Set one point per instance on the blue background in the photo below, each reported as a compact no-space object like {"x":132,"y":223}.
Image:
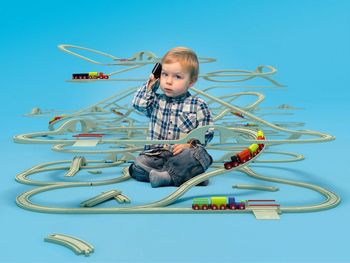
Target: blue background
{"x":307,"y":41}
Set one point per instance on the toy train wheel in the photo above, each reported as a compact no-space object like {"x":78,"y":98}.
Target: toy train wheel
{"x":228,"y":165}
{"x":222,"y":207}
{"x":233,"y":207}
{"x":204,"y":207}
{"x":214,"y":207}
{"x":196,"y":207}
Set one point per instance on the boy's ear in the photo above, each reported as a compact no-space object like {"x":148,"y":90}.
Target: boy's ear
{"x":192,"y":83}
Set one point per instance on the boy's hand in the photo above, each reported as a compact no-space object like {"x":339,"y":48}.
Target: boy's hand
{"x":151,"y":81}
{"x":178,"y":148}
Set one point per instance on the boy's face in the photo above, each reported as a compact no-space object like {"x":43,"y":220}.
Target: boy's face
{"x":174,"y":79}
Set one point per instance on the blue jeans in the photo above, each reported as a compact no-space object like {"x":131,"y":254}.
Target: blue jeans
{"x":181,"y":167}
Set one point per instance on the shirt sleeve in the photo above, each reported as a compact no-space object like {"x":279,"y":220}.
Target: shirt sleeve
{"x":144,"y":99}
{"x":204,"y":117}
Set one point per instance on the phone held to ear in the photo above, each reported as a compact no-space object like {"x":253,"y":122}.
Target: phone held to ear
{"x":157,"y":70}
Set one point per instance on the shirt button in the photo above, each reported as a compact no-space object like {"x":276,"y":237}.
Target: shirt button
{"x":169,"y":132}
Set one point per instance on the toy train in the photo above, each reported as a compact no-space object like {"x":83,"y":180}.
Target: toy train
{"x":56,"y":118}
{"x":249,"y":124}
{"x":217,"y":202}
{"x":238,"y":114}
{"x":90,"y":75}
{"x":246,"y":154}
{"x":223,"y":203}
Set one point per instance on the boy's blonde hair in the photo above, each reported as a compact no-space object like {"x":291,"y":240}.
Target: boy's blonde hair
{"x":186,"y":57}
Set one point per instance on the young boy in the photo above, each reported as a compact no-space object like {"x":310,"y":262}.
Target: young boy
{"x":172,"y":115}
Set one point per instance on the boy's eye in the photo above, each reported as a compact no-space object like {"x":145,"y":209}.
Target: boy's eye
{"x":178,"y":77}
{"x":164,"y":74}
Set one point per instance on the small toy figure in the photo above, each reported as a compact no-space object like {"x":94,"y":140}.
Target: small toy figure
{"x":172,"y":115}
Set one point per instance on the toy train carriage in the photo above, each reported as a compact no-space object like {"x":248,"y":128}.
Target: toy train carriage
{"x":260,"y":136}
{"x":90,"y":75}
{"x":246,"y":154}
{"x":200,"y":204}
{"x":254,"y":149}
{"x":238,"y":159}
{"x":262,"y":203}
{"x":217,"y":202}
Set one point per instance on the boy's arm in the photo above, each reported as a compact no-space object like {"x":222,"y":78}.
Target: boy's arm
{"x":204,"y":117}
{"x":145,"y":96}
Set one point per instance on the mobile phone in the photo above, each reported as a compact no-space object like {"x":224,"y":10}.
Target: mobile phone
{"x":157,"y":70}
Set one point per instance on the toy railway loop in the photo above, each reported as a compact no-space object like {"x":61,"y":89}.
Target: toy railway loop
{"x":332,"y":199}
{"x":23,"y":200}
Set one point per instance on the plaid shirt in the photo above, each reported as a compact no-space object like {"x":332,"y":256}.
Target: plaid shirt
{"x":172,"y":118}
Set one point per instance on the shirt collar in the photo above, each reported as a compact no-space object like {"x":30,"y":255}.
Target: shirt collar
{"x":179,"y":98}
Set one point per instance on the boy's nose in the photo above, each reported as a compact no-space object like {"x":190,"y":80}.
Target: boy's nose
{"x":169,"y":80}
